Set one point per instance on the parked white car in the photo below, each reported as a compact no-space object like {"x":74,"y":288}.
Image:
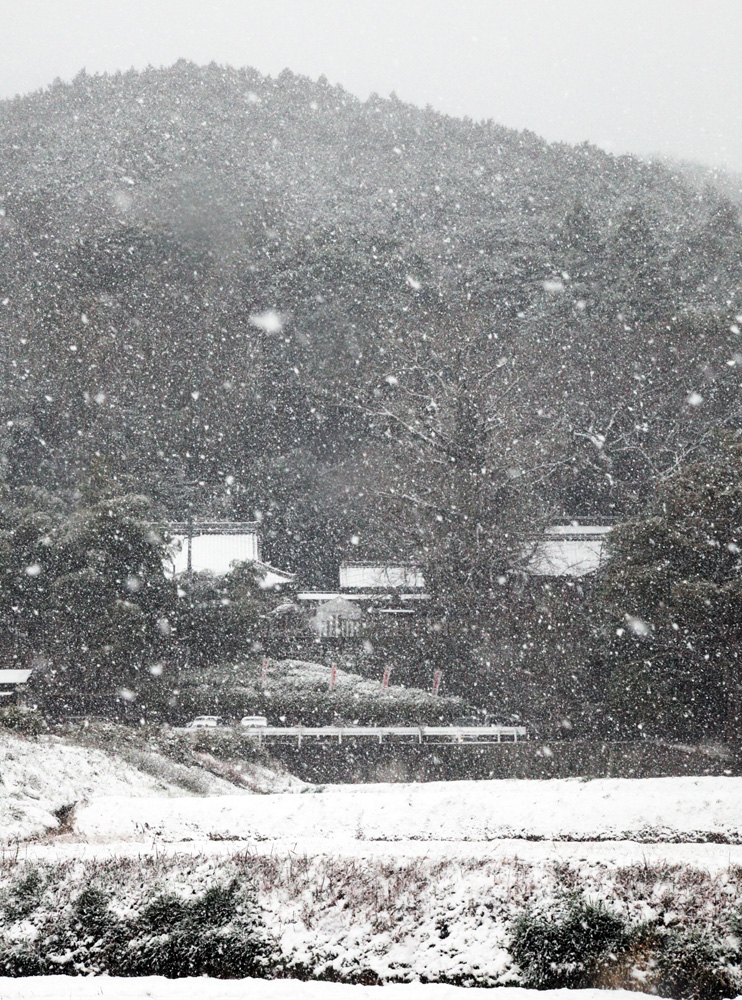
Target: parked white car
{"x":254,"y":721}
{"x":206,"y":722}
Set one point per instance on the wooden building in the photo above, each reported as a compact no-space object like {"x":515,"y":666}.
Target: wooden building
{"x":338,"y":618}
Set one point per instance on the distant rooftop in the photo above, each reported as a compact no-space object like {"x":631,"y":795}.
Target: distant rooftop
{"x":217,"y":545}
{"x":14,"y":676}
{"x":579,"y":530}
{"x":199,"y":527}
{"x":11,"y":681}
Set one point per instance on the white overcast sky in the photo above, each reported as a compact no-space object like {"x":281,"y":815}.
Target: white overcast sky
{"x":643,"y":76}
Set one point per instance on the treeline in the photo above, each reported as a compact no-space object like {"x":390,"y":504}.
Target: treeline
{"x":384,"y":332}
{"x":248,"y":294}
{"x":88,"y":602}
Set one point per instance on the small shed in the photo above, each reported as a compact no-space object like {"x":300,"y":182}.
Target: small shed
{"x":338,"y":618}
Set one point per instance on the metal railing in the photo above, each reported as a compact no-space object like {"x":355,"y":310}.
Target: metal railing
{"x":411,"y":734}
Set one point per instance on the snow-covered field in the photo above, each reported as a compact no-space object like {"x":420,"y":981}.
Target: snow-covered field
{"x":646,"y":810}
{"x":43,"y":778}
{"x":404,"y":881}
{"x":165,"y":802}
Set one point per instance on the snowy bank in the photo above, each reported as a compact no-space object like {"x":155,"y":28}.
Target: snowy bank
{"x":43,"y":780}
{"x":700,"y":809}
{"x":375,"y":920}
{"x":157,"y":988}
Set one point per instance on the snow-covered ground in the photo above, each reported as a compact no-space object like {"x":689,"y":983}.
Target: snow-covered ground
{"x":119,"y":809}
{"x":156,"y":988}
{"x":647,"y":810}
{"x":365,"y":876}
{"x":413,"y":918}
{"x":712,"y":858}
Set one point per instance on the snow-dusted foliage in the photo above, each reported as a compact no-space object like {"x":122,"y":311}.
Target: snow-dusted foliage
{"x":664,"y":928}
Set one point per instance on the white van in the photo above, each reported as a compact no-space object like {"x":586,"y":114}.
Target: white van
{"x":206,"y":722}
{"x":254,"y":721}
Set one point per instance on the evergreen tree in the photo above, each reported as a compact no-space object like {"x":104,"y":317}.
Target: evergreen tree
{"x":670,"y":599}
{"x":83,"y":593}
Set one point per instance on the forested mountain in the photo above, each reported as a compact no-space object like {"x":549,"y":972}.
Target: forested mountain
{"x":726,"y":182}
{"x":363,"y":320}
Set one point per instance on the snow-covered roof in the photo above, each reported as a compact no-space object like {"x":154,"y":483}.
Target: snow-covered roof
{"x":374,"y":596}
{"x":14,"y":676}
{"x":199,"y":527}
{"x":217,"y":545}
{"x":214,"y":552}
{"x":273,"y":577}
{"x":579,"y":530}
{"x":340,"y":607}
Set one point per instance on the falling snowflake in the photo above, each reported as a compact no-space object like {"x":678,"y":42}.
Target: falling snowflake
{"x":637,"y":625}
{"x":269,"y":321}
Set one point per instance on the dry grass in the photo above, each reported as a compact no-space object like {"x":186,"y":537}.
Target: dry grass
{"x":365,"y":920}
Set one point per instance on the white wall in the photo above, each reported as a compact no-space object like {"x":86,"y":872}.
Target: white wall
{"x":567,"y":556}
{"x":215,"y":552}
{"x":380,"y":577}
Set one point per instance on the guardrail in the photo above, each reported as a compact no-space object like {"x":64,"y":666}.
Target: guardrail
{"x":409,"y":734}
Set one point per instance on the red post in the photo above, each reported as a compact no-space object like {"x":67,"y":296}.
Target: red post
{"x":437,"y":682}
{"x":385,"y":678}
{"x":333,"y":676}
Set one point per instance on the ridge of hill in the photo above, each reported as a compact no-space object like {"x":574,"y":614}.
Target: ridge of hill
{"x":206,"y":274}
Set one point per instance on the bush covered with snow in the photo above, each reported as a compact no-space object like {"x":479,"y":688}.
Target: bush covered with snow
{"x":98,"y":929}
{"x":572,"y":950}
{"x":671,"y":930}
{"x":582,"y":945}
{"x":19,"y":720}
{"x":298,"y":692}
